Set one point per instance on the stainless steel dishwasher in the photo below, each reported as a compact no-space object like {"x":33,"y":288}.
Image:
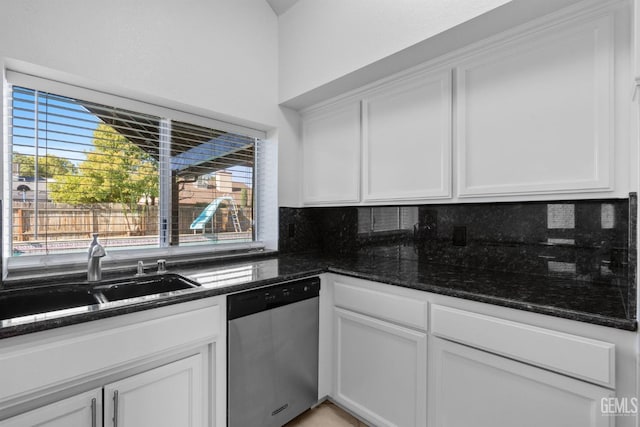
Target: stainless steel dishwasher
{"x":272,"y":374}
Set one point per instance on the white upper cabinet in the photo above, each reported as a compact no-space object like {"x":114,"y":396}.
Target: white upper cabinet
{"x":404,"y":128}
{"x":535,"y":113}
{"x":407,"y":140}
{"x":331,"y":155}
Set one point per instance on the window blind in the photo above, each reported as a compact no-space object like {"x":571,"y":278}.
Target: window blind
{"x":213,"y":176}
{"x":79,"y":167}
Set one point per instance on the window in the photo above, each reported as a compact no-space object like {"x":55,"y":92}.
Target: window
{"x":140,"y":181}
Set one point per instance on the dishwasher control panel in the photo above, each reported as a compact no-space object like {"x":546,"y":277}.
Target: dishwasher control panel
{"x":261,"y":299}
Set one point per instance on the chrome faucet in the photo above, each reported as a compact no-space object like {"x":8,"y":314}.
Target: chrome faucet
{"x":96,"y":251}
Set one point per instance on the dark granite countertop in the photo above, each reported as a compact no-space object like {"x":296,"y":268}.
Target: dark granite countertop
{"x":598,"y":303}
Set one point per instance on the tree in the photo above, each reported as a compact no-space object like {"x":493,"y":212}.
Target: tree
{"x":244,"y":198}
{"x":115,"y":171}
{"x":49,"y":166}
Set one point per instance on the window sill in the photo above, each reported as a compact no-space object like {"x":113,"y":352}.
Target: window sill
{"x":38,"y":267}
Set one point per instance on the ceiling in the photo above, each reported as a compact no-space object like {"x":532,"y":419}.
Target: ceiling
{"x":194,"y":150}
{"x":281,"y":6}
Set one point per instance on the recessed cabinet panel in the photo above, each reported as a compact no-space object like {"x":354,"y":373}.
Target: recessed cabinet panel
{"x":469,"y":387}
{"x":77,"y":411}
{"x":534,"y":114}
{"x":95,"y":347}
{"x":587,"y":359}
{"x":169,"y":396}
{"x":331,"y":155}
{"x":389,"y":303}
{"x":407,"y":140}
{"x":380,"y":370}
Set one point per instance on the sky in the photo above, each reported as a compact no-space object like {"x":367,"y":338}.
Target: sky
{"x":66,"y":136}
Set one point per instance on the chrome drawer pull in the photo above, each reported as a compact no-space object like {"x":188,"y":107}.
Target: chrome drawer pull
{"x":115,"y":408}
{"x":93,"y":413}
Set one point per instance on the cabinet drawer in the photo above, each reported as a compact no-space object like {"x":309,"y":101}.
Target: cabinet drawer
{"x":470,"y":387}
{"x":398,"y":305}
{"x":573,"y":355}
{"x":95,"y":347}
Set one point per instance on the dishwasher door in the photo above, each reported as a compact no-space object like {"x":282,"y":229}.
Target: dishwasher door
{"x":273,"y":365}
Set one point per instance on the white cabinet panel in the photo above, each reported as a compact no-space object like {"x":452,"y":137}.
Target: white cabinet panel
{"x":83,"y":410}
{"x":380,"y":370}
{"x":469,"y":387}
{"x":331,"y":155}
{"x":84,"y":349}
{"x":580,"y":357}
{"x":535,"y":114}
{"x":169,"y":396}
{"x":402,"y":306}
{"x":407,"y":140}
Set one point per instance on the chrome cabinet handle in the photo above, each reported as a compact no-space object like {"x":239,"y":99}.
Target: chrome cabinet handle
{"x":93,"y":413}
{"x":115,"y":408}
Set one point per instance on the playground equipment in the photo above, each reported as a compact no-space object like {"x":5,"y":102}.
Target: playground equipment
{"x":208,"y":213}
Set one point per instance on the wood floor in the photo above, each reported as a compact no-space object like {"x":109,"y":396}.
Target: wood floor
{"x":325,"y":415}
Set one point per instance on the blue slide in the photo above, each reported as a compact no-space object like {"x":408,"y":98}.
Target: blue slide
{"x":208,"y":212}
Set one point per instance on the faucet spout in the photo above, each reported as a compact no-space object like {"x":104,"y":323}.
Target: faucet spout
{"x":94,"y":268}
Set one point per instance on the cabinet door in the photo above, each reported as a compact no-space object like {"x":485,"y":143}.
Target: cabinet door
{"x":380,"y":370}
{"x":407,"y":140}
{"x":83,"y":410}
{"x":469,"y":387}
{"x":534,"y":115}
{"x":331,"y":155}
{"x":168,"y":396}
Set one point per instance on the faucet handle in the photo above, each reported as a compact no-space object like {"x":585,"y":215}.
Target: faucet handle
{"x":95,"y":248}
{"x":97,"y":251}
{"x":162,"y":266}
{"x":140,"y":268}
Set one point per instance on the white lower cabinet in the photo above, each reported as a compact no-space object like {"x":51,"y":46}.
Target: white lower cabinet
{"x":380,"y":369}
{"x":164,"y":367}
{"x":402,"y":357}
{"x":82,"y":410}
{"x":168,"y":396}
{"x":470,"y":387}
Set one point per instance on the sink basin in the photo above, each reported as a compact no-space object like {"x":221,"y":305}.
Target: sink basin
{"x":43,"y":299}
{"x":142,"y":286}
{"x":49,"y":298}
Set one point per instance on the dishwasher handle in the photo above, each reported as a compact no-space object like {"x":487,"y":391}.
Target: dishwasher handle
{"x":266,"y":298}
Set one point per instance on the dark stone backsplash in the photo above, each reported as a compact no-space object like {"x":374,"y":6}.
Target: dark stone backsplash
{"x":583,"y":240}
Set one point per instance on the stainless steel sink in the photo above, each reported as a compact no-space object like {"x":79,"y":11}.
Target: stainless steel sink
{"x":43,"y":299}
{"x":49,"y":298}
{"x":142,"y":286}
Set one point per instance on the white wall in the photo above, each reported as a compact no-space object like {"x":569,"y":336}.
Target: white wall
{"x":330,"y":47}
{"x":219,"y":56}
{"x":289,"y":158}
{"x":323,"y":40}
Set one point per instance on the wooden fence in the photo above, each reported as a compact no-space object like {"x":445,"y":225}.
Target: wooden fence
{"x":62,"y":222}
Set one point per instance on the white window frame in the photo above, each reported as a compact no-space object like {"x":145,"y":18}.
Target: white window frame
{"x":265,"y":197}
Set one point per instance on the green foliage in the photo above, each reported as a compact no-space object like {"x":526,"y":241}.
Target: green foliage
{"x":49,"y":166}
{"x":244,"y":198}
{"x":115,"y":171}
